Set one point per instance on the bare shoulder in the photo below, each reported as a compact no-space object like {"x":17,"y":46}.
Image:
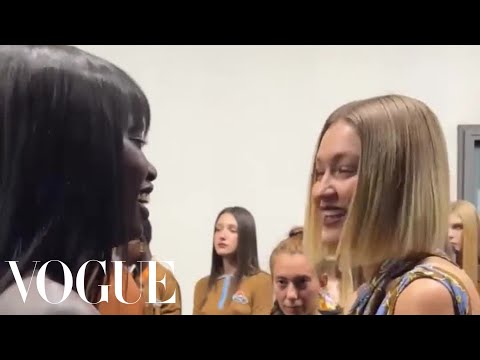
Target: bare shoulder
{"x":462,"y":278}
{"x":425,"y":297}
{"x":429,"y":296}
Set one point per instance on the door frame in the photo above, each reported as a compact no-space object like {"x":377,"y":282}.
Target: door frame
{"x":467,"y":135}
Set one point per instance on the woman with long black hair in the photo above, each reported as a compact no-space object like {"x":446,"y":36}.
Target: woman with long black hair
{"x":71,"y":172}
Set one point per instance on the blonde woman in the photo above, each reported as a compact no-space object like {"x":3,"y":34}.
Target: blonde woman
{"x":381,"y":170}
{"x":463,"y":234}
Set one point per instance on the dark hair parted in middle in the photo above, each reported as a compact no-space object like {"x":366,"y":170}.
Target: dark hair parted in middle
{"x":246,"y":254}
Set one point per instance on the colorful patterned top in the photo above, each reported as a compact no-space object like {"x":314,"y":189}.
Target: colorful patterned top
{"x":374,"y":299}
{"x":327,"y":305}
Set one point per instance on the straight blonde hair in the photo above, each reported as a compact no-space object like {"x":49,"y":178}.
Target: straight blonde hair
{"x":467,"y":213}
{"x":401,"y":204}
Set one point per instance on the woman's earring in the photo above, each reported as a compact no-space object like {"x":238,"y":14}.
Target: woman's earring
{"x":142,"y":248}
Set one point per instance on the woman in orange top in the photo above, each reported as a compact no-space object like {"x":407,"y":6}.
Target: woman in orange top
{"x":131,"y":294}
{"x":170,"y":295}
{"x":236,"y":284}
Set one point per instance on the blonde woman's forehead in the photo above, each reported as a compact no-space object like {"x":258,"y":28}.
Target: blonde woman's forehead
{"x":340,"y":140}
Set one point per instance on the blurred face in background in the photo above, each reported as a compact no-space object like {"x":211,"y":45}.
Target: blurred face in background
{"x":455,"y":232}
{"x":296,"y":285}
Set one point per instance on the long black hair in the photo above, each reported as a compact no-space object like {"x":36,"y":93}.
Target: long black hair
{"x":63,"y":115}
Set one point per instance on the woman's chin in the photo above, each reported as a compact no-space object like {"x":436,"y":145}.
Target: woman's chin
{"x":330,"y":237}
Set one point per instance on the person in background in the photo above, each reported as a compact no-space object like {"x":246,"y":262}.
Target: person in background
{"x":139,"y":250}
{"x":463,"y":234}
{"x":236,"y":284}
{"x":296,"y":285}
{"x":131,"y":293}
{"x":329,"y":275}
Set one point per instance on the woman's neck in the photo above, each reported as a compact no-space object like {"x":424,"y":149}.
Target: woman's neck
{"x":229,"y":266}
{"x":330,"y":248}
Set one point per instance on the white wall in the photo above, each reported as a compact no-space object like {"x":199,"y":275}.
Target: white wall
{"x":236,"y":125}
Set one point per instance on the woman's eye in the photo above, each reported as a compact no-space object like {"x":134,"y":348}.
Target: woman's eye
{"x":139,"y":143}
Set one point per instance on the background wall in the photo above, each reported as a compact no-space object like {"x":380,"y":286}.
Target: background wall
{"x":237,"y":125}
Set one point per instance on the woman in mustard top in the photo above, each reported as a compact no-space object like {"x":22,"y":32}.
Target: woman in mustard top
{"x":167,"y":292}
{"x":236,"y":284}
{"x":130,"y":293}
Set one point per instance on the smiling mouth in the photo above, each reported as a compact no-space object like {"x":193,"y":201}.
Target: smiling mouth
{"x":333,"y":216}
{"x":144,"y":198}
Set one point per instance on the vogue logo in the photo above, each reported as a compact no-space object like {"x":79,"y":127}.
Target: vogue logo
{"x":80,"y":281}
